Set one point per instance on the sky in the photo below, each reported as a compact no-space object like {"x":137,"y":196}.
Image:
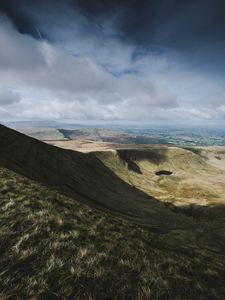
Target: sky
{"x":129,"y":60}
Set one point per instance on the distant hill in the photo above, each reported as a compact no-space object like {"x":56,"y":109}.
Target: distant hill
{"x":53,"y":131}
{"x":108,"y":135}
{"x":39,"y":124}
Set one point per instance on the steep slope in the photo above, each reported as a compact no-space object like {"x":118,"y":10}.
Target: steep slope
{"x":53,"y":247}
{"x":57,"y":247}
{"x":84,"y":177}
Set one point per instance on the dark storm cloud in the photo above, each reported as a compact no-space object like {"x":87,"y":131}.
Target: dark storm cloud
{"x":196,"y":28}
{"x":114,"y":59}
{"x":174,"y":23}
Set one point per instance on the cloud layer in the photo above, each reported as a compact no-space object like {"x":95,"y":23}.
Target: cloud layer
{"x":76,"y":66}
{"x":8,"y":97}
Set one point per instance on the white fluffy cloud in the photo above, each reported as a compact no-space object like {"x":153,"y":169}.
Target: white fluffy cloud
{"x":80,"y":78}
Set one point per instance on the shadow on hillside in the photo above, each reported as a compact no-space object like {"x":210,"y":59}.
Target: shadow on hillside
{"x":85,"y":178}
{"x":78,"y":175}
{"x":197,"y":151}
{"x":155,"y":156}
{"x":210,"y":212}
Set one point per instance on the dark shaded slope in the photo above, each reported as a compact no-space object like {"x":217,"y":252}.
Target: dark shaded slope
{"x":84,"y":177}
{"x":53,"y":247}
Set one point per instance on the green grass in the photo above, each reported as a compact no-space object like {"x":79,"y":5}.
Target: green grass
{"x":192,"y":177}
{"x":53,"y":247}
{"x":125,"y":245}
{"x":84,"y":177}
{"x":45,"y":134}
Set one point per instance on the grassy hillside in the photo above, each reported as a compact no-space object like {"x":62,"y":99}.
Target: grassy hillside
{"x":124,"y":245}
{"x":195,"y":179}
{"x":44,"y":134}
{"x":84,"y":177}
{"x":53,"y":247}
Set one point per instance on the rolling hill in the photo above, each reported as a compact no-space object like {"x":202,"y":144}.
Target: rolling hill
{"x":63,"y":132}
{"x":82,"y":176}
{"x":85,"y":226}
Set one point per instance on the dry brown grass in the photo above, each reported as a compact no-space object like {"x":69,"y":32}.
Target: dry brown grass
{"x":52,"y":247}
{"x":195,"y":179}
